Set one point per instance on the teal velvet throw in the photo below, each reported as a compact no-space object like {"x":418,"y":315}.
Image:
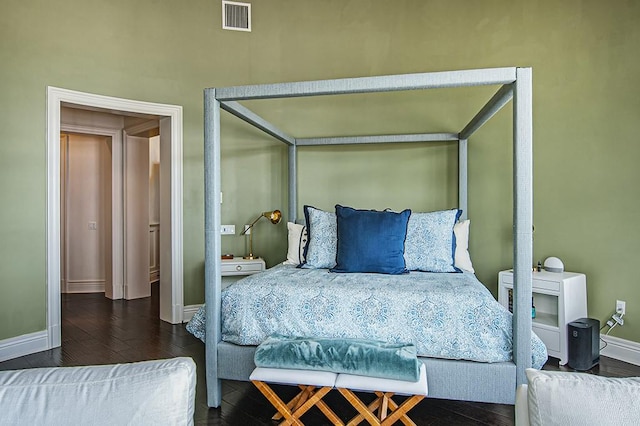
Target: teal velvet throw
{"x":362,"y":357}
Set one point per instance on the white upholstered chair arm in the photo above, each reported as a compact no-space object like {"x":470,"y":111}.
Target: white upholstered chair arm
{"x":522,"y":406}
{"x":577,"y":399}
{"x":142,"y":393}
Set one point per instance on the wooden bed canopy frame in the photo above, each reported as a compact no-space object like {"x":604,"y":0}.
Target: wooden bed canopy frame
{"x":515,"y":84}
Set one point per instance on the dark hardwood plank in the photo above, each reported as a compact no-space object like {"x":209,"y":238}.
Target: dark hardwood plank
{"x":96,"y":330}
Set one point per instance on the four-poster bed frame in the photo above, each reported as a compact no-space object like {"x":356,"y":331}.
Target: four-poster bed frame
{"x":452,"y":379}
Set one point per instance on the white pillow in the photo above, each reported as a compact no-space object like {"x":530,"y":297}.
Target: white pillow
{"x":462,"y":258}
{"x":297,"y":240}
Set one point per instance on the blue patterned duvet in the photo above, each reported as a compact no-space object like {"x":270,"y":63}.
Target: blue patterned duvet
{"x":449,"y":316}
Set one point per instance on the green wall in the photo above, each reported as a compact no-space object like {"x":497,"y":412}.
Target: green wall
{"x":585,"y":66}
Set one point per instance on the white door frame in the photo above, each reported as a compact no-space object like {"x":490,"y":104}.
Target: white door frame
{"x":172,"y":312}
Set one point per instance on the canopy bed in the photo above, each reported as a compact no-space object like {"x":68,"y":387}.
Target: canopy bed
{"x":462,"y":379}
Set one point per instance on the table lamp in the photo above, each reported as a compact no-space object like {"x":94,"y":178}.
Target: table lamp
{"x":273,"y":216}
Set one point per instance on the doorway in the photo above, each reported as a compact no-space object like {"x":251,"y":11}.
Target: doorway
{"x":87,"y":217}
{"x":170,"y":123}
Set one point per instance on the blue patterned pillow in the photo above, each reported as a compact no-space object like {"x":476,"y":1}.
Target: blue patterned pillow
{"x":430,"y":245}
{"x":320,"y":251}
{"x":371,"y":241}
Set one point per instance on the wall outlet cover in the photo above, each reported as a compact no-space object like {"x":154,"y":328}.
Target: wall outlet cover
{"x":227,"y":229}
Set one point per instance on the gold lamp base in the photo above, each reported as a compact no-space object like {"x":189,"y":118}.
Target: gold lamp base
{"x":251,"y":257}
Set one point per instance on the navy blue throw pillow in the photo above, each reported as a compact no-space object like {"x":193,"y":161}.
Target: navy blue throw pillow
{"x":371,"y":240}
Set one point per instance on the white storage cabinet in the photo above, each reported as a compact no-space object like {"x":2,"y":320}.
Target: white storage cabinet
{"x":559,"y":298}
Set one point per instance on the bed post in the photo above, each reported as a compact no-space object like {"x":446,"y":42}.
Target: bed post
{"x":522,"y":219}
{"x":293,"y":183}
{"x":462,"y":178}
{"x":212,"y":249}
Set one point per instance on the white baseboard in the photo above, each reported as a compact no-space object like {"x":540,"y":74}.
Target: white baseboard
{"x":26,"y":344}
{"x":621,"y":349}
{"x":84,"y":286}
{"x":189,"y":311}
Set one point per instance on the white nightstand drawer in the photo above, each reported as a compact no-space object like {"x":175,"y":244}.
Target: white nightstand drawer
{"x":241,"y":269}
{"x":242,"y":266}
{"x":537,"y":283}
{"x":545,"y":285}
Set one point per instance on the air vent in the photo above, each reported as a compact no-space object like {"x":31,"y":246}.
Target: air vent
{"x":236,"y":16}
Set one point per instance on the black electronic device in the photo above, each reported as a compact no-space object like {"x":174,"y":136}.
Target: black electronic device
{"x":584,"y":343}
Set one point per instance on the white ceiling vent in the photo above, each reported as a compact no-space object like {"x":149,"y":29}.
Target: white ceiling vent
{"x":236,"y":16}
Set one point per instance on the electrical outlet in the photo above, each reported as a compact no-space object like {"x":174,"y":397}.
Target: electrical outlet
{"x":621,"y":307}
{"x":227,"y":229}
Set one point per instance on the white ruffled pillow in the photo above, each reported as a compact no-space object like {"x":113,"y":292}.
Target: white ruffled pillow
{"x":297,"y":238}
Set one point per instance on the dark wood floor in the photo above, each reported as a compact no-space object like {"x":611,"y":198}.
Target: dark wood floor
{"x":96,"y":330}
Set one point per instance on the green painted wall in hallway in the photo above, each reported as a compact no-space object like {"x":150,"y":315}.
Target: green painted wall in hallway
{"x":585,"y":67}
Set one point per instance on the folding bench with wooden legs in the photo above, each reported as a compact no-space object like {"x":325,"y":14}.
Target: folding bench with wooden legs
{"x":388,"y":412}
{"x":313,"y":386}
{"x":316,"y":384}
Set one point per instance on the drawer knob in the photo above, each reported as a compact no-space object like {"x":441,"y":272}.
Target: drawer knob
{"x":238,"y":267}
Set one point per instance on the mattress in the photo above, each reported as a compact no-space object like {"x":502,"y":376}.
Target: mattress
{"x":445,"y":315}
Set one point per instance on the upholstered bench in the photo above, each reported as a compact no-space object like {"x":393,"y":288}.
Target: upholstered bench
{"x":319,"y":365}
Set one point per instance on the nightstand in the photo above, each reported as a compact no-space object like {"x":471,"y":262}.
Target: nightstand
{"x":238,"y":267}
{"x":559,"y":298}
